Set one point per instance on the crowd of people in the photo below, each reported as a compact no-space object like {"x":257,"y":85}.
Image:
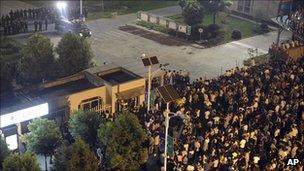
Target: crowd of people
{"x":19,"y":21}
{"x":248,"y":119}
{"x":297,"y":21}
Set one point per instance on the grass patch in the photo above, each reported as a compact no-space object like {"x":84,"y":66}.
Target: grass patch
{"x":227,"y":24}
{"x":258,"y":60}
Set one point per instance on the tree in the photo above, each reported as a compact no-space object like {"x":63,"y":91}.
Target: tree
{"x":123,"y":140}
{"x":24,"y":162}
{"x":61,"y":157}
{"x":82,"y":158}
{"x":192,"y":12}
{"x":215,"y":6}
{"x":84,"y":124}
{"x":75,"y":54}
{"x":10,"y":54}
{"x":4,"y":152}
{"x":43,"y":137}
{"x":38,"y":61}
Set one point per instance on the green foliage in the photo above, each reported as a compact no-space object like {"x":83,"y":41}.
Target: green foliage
{"x":192,"y":12}
{"x":123,"y":140}
{"x":214,"y":6}
{"x":43,"y":137}
{"x":4,"y":151}
{"x":23,"y":162}
{"x":61,"y":158}
{"x":82,"y":158}
{"x":236,"y":34}
{"x":84,"y":124}
{"x":75,"y":54}
{"x":9,"y":57}
{"x":38,"y":61}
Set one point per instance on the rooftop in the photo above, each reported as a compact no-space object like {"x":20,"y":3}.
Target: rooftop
{"x":119,"y":76}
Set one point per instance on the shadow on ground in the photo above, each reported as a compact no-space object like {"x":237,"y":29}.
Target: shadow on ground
{"x":159,"y":38}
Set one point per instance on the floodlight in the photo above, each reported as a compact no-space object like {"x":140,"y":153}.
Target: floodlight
{"x":61,"y":5}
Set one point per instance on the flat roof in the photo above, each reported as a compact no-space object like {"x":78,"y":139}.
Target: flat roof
{"x":118,"y":77}
{"x":63,"y":89}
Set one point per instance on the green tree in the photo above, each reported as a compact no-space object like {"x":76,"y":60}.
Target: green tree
{"x":123,"y":140}
{"x":23,"y":162}
{"x":215,"y":6}
{"x":84,"y":124}
{"x":61,"y":158}
{"x":4,"y":152}
{"x":82,"y":158}
{"x":75,"y":54}
{"x":10,"y":54}
{"x":43,"y":137}
{"x":192,"y":12}
{"x":38,"y":61}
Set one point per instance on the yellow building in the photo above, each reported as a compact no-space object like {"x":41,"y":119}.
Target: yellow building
{"x":106,"y":90}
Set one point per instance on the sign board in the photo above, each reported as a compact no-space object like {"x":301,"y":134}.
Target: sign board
{"x":172,"y":25}
{"x":24,"y":115}
{"x":200,"y":30}
{"x":182,"y":29}
{"x":170,"y":149}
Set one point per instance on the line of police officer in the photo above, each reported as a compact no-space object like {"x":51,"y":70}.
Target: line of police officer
{"x":18,"y":21}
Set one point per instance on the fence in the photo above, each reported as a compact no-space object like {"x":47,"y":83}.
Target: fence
{"x":165,"y":22}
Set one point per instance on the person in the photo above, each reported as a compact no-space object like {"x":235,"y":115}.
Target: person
{"x":46,"y":23}
{"x":36,"y":25}
{"x":40,"y":25}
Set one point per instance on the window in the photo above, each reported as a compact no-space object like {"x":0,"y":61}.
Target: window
{"x":240,"y":5}
{"x":247,"y":6}
{"x":91,"y":103}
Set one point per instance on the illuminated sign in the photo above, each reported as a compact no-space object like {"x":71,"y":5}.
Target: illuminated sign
{"x":12,"y":142}
{"x":24,"y":115}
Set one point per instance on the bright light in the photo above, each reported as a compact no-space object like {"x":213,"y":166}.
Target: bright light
{"x":61,"y":5}
{"x":24,"y":115}
{"x":12,"y":142}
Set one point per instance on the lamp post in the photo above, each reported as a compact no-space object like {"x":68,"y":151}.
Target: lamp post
{"x":149,"y":62}
{"x":81,"y":10}
{"x":166,"y":135}
{"x":168,"y":94}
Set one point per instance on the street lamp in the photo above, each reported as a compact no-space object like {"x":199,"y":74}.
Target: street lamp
{"x":168,"y":94}
{"x":149,"y":62}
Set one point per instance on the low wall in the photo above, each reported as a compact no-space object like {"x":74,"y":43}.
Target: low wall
{"x":165,"y":22}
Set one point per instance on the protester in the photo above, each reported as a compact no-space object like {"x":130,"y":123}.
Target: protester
{"x":248,"y":119}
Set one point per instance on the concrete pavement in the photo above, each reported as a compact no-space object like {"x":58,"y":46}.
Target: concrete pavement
{"x":111,"y":45}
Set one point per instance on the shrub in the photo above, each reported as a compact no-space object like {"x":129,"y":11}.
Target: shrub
{"x":213,"y":29}
{"x":264,"y":27}
{"x":236,"y":34}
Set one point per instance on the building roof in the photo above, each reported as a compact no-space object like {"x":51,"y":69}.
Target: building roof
{"x":53,"y":90}
{"x":119,"y":76}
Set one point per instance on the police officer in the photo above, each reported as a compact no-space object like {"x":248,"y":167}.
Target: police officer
{"x":46,"y":23}
{"x":35,"y":23}
{"x":40,"y":25}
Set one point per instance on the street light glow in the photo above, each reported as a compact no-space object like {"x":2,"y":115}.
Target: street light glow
{"x":61,"y":5}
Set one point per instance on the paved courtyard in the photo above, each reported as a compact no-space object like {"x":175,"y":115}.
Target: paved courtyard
{"x":113,"y":45}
